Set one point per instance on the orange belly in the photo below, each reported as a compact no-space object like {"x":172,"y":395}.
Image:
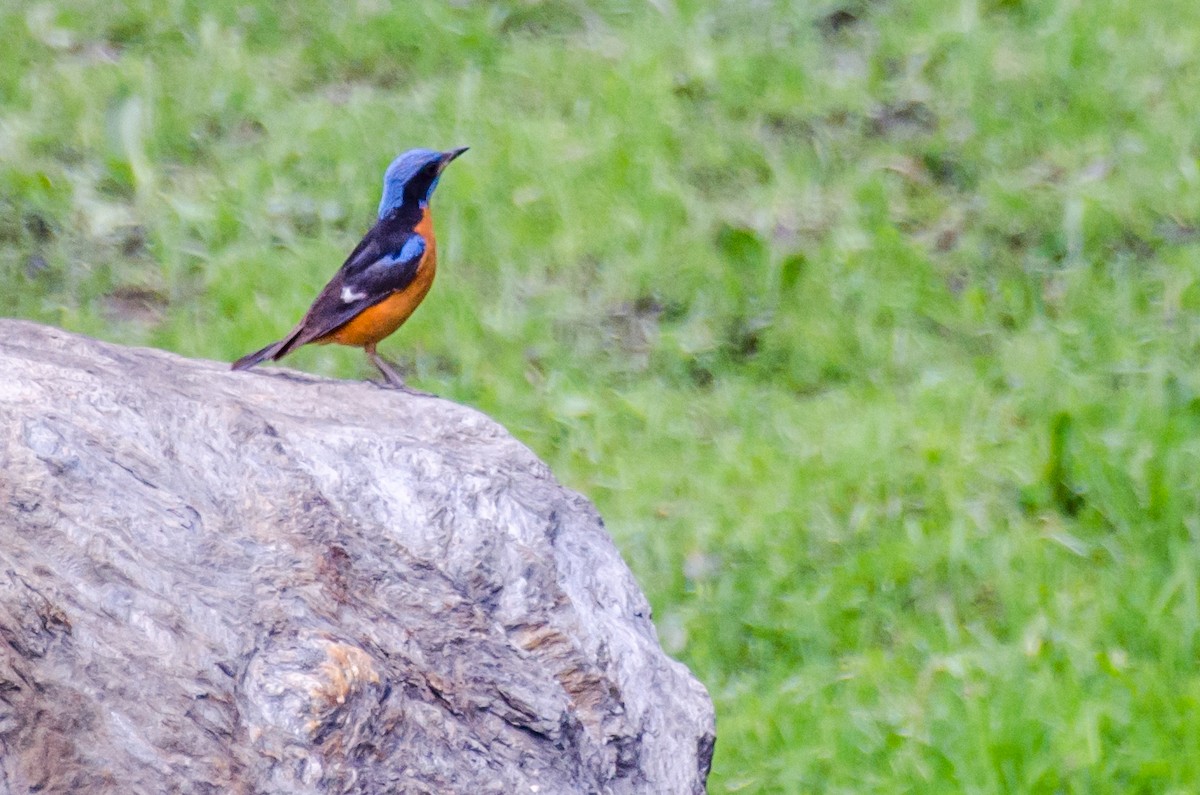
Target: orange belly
{"x":378,"y":321}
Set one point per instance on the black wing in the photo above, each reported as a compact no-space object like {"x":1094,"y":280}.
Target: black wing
{"x":384,"y":262}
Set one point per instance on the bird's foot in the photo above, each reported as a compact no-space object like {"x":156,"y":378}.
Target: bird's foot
{"x":390,"y":371}
{"x":391,"y":375}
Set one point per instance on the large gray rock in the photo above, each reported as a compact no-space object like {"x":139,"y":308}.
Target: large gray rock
{"x":266,"y":582}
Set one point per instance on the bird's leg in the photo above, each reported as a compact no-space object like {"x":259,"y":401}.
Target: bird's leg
{"x":391,"y":373}
{"x":389,"y":370}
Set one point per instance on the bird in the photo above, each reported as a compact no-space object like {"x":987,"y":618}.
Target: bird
{"x":386,"y":276}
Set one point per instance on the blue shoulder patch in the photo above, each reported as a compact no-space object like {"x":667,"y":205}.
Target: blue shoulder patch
{"x":412,"y":250}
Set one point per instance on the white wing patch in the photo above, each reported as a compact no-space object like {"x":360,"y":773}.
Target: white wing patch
{"x":349,"y":296}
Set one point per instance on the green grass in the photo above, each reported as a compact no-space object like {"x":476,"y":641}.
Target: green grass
{"x":871,"y":327}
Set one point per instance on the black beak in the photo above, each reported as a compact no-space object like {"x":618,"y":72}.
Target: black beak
{"x":448,"y":156}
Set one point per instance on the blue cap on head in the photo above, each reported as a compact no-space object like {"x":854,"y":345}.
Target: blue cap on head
{"x":413,"y":176}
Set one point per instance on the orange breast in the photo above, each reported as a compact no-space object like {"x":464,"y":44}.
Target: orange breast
{"x":378,"y":321}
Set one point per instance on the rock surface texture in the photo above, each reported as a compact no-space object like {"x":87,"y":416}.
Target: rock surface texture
{"x":265,"y":582}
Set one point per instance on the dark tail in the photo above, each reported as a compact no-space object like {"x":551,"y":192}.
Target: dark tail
{"x":276,"y":350}
{"x":251,"y":359}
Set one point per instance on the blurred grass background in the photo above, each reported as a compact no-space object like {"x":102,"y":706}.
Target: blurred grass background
{"x":870,"y":325}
